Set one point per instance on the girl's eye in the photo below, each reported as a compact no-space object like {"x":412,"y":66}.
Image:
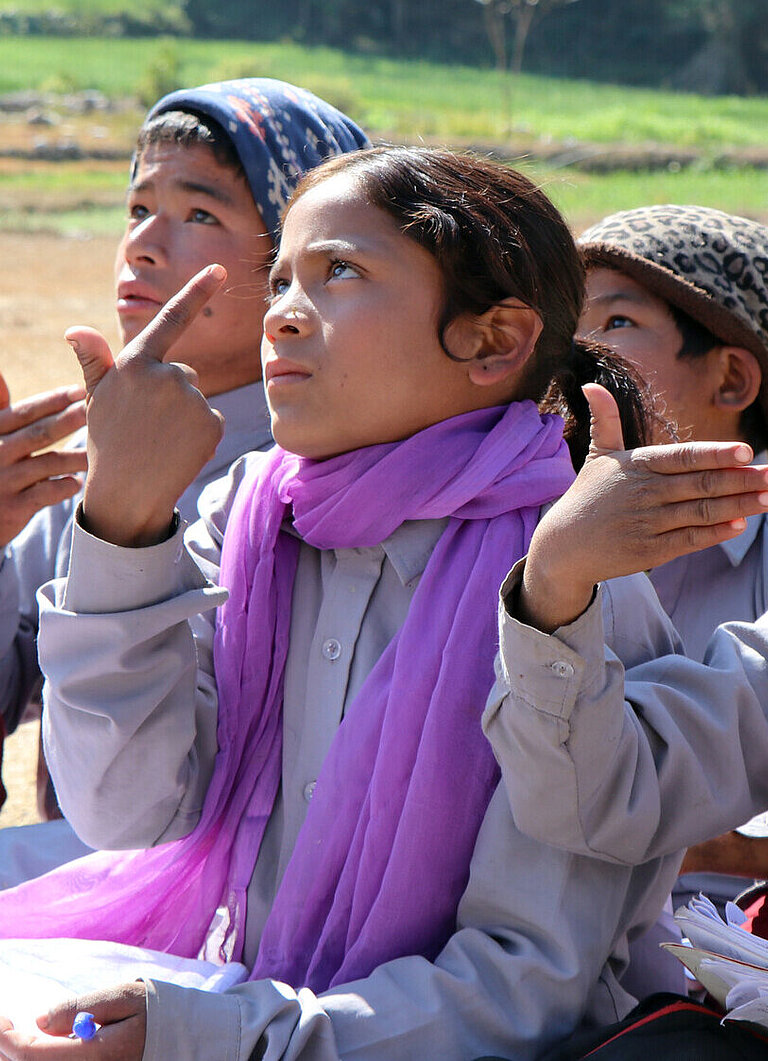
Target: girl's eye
{"x":277,"y":288}
{"x":342,"y":270}
{"x":137,"y":212}
{"x":617,"y":321}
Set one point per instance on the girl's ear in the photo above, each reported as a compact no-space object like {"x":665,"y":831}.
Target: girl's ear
{"x":496,"y":345}
{"x":740,"y":378}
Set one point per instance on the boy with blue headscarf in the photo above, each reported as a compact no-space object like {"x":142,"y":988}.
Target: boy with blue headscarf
{"x":213,"y":168}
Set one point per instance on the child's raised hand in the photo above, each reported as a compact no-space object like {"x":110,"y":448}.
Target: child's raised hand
{"x":629,"y":511}
{"x":150,"y":431}
{"x":121,"y":1012}
{"x":30,"y":479}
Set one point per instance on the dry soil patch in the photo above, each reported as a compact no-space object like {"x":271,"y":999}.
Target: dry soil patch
{"x":48,"y":283}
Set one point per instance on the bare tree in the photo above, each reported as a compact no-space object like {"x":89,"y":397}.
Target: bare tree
{"x":521,"y":14}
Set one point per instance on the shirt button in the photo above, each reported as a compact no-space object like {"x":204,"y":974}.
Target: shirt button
{"x":561,"y":669}
{"x":331,"y":648}
{"x":309,"y":789}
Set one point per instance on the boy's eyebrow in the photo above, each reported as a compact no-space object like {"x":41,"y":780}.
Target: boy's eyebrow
{"x":212,"y":191}
{"x":639,"y":298}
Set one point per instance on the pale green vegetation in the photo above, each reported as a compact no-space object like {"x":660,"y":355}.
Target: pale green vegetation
{"x":585,"y":198}
{"x":400,"y":97}
{"x":403,"y":101}
{"x":83,"y":222}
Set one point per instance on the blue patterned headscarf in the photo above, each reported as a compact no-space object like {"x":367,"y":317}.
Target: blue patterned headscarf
{"x":279,"y":132}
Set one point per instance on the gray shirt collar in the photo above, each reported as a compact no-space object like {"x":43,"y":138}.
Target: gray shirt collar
{"x":737,"y":548}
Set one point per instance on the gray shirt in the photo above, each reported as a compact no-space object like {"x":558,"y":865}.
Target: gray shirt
{"x":721,"y":584}
{"x":631,"y":759}
{"x":130,"y":735}
{"x":41,"y":551}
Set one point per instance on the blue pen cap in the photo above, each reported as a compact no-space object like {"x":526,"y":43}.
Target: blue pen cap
{"x":84,"y":1026}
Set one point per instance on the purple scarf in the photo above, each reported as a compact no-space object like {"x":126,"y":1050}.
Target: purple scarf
{"x":383,"y":856}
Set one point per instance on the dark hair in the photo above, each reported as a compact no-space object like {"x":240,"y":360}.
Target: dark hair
{"x":187,"y":129}
{"x":495,"y":236}
{"x":696,"y":341}
{"x":591,"y":362}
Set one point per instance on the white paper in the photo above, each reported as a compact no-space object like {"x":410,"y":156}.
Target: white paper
{"x":702,"y":925}
{"x":755,"y":827}
{"x":729,"y":962}
{"x":35,"y":974}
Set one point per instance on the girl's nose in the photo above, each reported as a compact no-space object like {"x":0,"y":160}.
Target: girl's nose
{"x":285,"y":320}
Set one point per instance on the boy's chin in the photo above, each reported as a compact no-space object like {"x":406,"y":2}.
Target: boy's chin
{"x":129,"y":330}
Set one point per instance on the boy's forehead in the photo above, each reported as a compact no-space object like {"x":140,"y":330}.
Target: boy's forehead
{"x":165,"y":154}
{"x":610,"y":285}
{"x":192,"y":167}
{"x":605,"y":283}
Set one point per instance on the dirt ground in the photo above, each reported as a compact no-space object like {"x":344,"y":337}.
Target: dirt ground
{"x":48,"y":283}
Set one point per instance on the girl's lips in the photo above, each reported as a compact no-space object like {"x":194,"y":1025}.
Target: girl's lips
{"x":286,"y":379}
{"x":278,"y":372}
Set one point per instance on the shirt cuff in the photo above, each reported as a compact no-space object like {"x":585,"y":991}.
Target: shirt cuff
{"x":547,"y":671}
{"x":189,"y":1023}
{"x":106,"y":578}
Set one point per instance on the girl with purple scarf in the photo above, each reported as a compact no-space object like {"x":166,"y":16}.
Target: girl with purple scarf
{"x":306,"y":773}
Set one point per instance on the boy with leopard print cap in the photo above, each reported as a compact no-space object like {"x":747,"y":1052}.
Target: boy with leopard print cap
{"x":682,"y":292}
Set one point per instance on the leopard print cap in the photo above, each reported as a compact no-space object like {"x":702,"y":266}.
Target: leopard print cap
{"x":712,"y":265}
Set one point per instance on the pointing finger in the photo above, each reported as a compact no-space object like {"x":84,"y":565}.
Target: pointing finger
{"x":177,"y":314}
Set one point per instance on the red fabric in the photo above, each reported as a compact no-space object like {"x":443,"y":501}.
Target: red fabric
{"x":674,"y":1007}
{"x":757,"y":917}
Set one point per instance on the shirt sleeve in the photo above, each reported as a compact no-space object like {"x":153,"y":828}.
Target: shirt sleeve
{"x":28,"y":562}
{"x":106,"y":708}
{"x":628,"y":759}
{"x":530,"y":954}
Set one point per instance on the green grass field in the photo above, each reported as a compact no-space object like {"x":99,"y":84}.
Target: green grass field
{"x":405,"y":101}
{"x":401,"y":97}
{"x":585,"y":198}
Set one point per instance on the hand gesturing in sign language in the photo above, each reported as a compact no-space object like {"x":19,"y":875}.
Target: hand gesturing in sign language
{"x":30,"y":479}
{"x":631,"y":510}
{"x":150,"y":430}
